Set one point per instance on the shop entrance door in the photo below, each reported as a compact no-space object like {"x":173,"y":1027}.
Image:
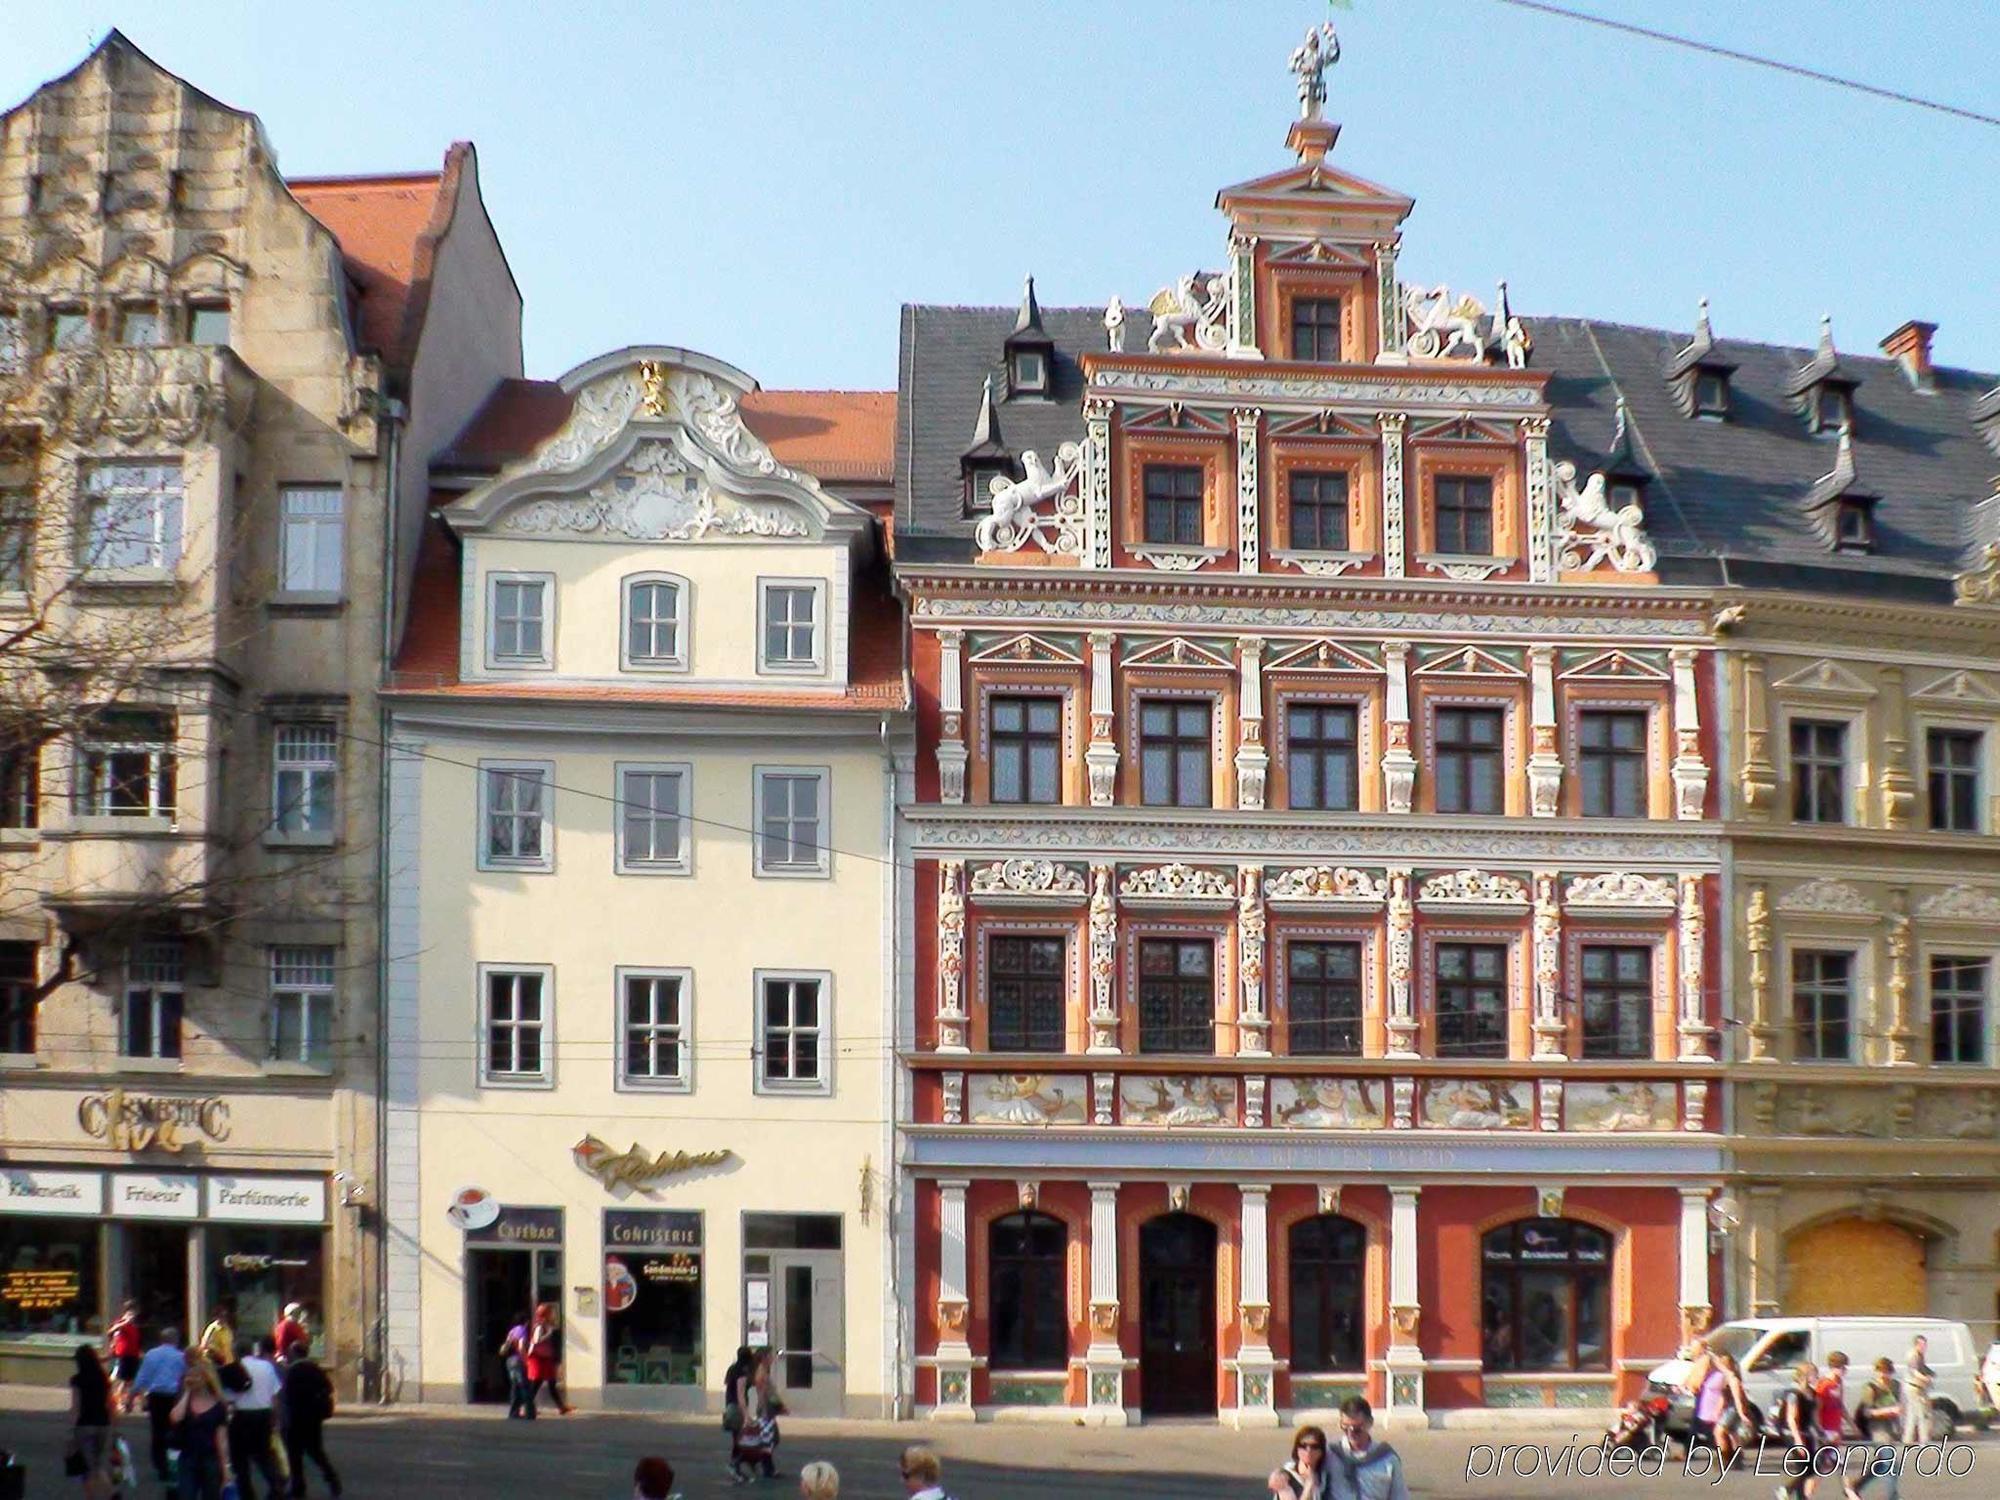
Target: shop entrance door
{"x":1177,"y":1316}
{"x":156,"y":1274}
{"x":794,"y":1299}
{"x":503,"y":1287}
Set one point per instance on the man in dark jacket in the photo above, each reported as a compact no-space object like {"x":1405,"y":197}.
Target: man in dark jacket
{"x":308,"y":1404}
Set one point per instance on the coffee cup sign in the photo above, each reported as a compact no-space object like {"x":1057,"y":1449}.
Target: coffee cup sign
{"x":135,"y":1122}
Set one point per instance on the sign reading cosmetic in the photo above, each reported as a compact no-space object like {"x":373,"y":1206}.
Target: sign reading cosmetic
{"x":267,"y":1200}
{"x":631,"y":1229}
{"x":135,"y":1122}
{"x":136,"y":1195}
{"x":520,"y":1228}
{"x":29,"y":1190}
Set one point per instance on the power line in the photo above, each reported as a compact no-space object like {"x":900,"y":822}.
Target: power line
{"x":1673,"y":39}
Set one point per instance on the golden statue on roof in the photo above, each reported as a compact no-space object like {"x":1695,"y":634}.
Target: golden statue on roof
{"x":1310,"y":60}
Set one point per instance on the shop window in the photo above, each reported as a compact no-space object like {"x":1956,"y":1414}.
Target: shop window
{"x":1316,"y":329}
{"x":1823,"y":1005}
{"x":131,"y":518}
{"x":1469,"y":766}
{"x":1175,"y":750}
{"x":155,"y":996}
{"x":1617,"y":1001}
{"x":652,"y":820}
{"x":1958,"y":1010}
{"x":1462,"y":514}
{"x":1611,"y":757}
{"x":208,"y":323}
{"x":1173,"y":495}
{"x":1322,"y":768}
{"x":1819,"y":771}
{"x":1177,"y":996}
{"x":49,"y":1287}
{"x":1327,"y":1257}
{"x":140,"y":325}
{"x":1026,"y":734}
{"x":20,"y":786}
{"x":260,"y":1269}
{"x":517,"y":632}
{"x":515,"y":1048}
{"x":789,"y":634}
{"x":305,"y":774}
{"x":514,"y":817}
{"x":1323,"y":998}
{"x":128,"y":767}
{"x":793,"y":1045}
{"x":652,"y":1297}
{"x":1027,"y":1304}
{"x":1545,"y":1297}
{"x":302,"y":987}
{"x":311,"y":540}
{"x":1025,"y":984}
{"x":791,"y":818}
{"x":654,"y":623}
{"x":18,"y":977}
{"x":1471,"y":999}
{"x":654,"y":1051}
{"x":1317,"y":512}
{"x":1954,"y":756}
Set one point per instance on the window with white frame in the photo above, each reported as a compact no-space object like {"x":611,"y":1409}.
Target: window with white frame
{"x":155,"y":994}
{"x":517,"y":611}
{"x":126,"y":766}
{"x":652,"y":819}
{"x":304,"y":778}
{"x":311,"y":539}
{"x":788,"y":640}
{"x":792,"y":1053}
{"x":1958,"y":1009}
{"x":514,"y":817}
{"x":1823,"y":1005}
{"x":1953,"y":759}
{"x":654,"y":1051}
{"x":131,"y":518}
{"x":515,"y":1047}
{"x":655,"y":623}
{"x":302,"y":987}
{"x":791,"y":822}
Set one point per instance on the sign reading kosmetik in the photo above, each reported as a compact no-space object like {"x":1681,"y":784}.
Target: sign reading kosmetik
{"x":26,"y":1190}
{"x":267,"y":1200}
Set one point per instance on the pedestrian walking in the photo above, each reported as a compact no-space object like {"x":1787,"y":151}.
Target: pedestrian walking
{"x":819,"y":1480}
{"x":1879,"y":1412}
{"x":756,"y":1443}
{"x":733,"y":1380}
{"x":158,"y":1383}
{"x":923,"y":1473}
{"x":290,"y":1329}
{"x":252,"y":1425}
{"x":1734,"y":1427}
{"x":1798,"y":1425}
{"x":91,"y":1415}
{"x":201,"y":1423}
{"x":652,"y":1479}
{"x":1359,"y":1468}
{"x":514,"y":1355}
{"x":218,"y":1340}
{"x":125,"y":1343}
{"x":1917,"y":1379}
{"x":1830,"y":1391}
{"x":306,"y":1408}
{"x":1303,"y":1475}
{"x":543,"y":1358}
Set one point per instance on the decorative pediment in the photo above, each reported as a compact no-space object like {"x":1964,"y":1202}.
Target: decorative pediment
{"x":1959,"y":687}
{"x":1326,"y":423}
{"x":1331,"y":884}
{"x":1468,"y":661}
{"x":1461,"y":429}
{"x":1024,"y":651}
{"x":656,"y":496}
{"x":1178,"y":882}
{"x":1826,"y":676}
{"x":1320,"y":253}
{"x":1320,"y":656}
{"x":1962,"y":903}
{"x":1619,"y":888}
{"x":1179,"y":651}
{"x":1038,"y":878}
{"x":1175,"y":416}
{"x":1827,"y":898}
{"x":1621,"y":666}
{"x":1473,"y":888}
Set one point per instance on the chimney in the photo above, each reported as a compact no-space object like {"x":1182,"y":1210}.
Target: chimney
{"x":1910,"y":347}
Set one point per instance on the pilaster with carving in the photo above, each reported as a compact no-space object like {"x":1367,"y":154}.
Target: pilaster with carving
{"x":1897,"y":786}
{"x":951,"y":752}
{"x":1695,"y":1307}
{"x":954,"y":1360}
{"x":1249,"y":553}
{"x":1758,"y":779}
{"x":1390,"y":327}
{"x":1405,"y":1359}
{"x":1256,"y":1368}
{"x":1253,"y":1023}
{"x":1101,"y":758}
{"x":1103,"y":961}
{"x":1399,"y":766}
{"x":1402,"y":1020}
{"x":1541,"y":501}
{"x":1548,"y":1027}
{"x":1392,"y":424}
{"x":1757,"y":937}
{"x":1902,"y":1028}
{"x":1690,"y":771}
{"x":1243,"y":300}
{"x":1695,"y":1035}
{"x":1096,"y":482}
{"x":1104,"y":1359}
{"x":952,"y":1021}
{"x":1253,"y":761}
{"x":1544,"y":763}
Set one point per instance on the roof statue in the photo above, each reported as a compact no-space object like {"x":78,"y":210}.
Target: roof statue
{"x":1592,"y":530}
{"x":1310,"y":60}
{"x":1114,"y":324}
{"x":1016,"y":518}
{"x":1191,"y":314}
{"x":1440,"y":323}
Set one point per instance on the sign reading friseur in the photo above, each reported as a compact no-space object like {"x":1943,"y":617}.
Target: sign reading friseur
{"x":634,"y":1168}
{"x":135,"y":1122}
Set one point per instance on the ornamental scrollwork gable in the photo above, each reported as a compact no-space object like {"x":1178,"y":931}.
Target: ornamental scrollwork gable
{"x":657,"y":497}
{"x":1620,"y":888}
{"x":1473,"y":888}
{"x":1961,"y":903}
{"x":1329,"y":884}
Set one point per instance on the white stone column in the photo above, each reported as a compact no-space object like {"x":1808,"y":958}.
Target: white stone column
{"x":1547,"y":1024}
{"x":951,"y":751}
{"x":1541,"y":501}
{"x":1695,"y":1302}
{"x":954,"y":1358}
{"x":1392,"y":424}
{"x":1101,"y":759}
{"x":1545,"y":767}
{"x":1096,"y":482}
{"x":953,"y":1023}
{"x":1406,"y":1358}
{"x":1103,"y":962}
{"x":1249,"y":552}
{"x":1696,"y":1039}
{"x":1104,"y":1360}
{"x":1255,"y":1366}
{"x":1253,"y":1019}
{"x":1399,"y":766}
{"x":1690,"y":771}
{"x":1252,"y":759}
{"x":1402,"y":1017}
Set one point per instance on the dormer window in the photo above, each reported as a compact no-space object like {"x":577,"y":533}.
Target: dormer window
{"x":979,"y":477}
{"x":1832,"y":409}
{"x":1626,"y":491}
{"x":1029,"y":351}
{"x":1028,"y":373}
{"x":1711,"y":394}
{"x":1854,"y":527}
{"x":1316,"y":329}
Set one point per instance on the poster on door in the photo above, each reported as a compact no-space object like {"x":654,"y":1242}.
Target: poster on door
{"x":757,"y":1311}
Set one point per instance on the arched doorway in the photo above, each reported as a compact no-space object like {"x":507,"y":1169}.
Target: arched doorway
{"x":1177,"y":1316}
{"x":1326,"y":1259}
{"x":1855,"y":1266}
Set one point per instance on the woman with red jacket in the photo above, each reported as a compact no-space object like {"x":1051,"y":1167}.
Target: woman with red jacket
{"x":543,"y":1358}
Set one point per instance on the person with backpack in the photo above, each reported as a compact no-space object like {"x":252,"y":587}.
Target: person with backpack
{"x":1797,"y":1420}
{"x":308,"y":1405}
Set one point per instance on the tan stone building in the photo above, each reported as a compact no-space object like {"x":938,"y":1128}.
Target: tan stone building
{"x":214,"y":384}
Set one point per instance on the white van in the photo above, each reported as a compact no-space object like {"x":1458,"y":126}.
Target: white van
{"x":1767,"y":1350}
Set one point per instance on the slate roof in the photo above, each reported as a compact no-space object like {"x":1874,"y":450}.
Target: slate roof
{"x":1726,"y":505}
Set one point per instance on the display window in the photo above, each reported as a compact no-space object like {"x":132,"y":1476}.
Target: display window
{"x":49,"y":1272}
{"x":259,"y":1269}
{"x":652,"y":1298}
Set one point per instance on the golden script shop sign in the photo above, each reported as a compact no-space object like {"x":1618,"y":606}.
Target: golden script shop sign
{"x":134,"y":1122}
{"x":635,"y":1168}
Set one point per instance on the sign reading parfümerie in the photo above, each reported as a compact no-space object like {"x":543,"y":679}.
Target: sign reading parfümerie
{"x":267,"y":1200}
{"x":139,"y":1122}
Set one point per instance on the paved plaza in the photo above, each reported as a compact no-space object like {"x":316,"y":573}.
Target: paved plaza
{"x":432,"y":1454}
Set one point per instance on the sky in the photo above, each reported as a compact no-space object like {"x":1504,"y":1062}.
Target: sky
{"x":768,"y":181}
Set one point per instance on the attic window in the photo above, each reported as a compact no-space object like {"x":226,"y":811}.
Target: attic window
{"x":69,"y":328}
{"x":979,"y":477}
{"x":1711,"y":394}
{"x":140,"y":325}
{"x":208,"y":323}
{"x":1028,"y":373}
{"x":1626,"y":491}
{"x":1854,"y":527}
{"x":1832,"y":408}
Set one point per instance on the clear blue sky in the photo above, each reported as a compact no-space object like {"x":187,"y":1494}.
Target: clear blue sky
{"x":768,"y":181}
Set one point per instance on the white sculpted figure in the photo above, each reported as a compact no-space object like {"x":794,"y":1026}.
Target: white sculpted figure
{"x":1193,"y":319}
{"x":1440,"y":324}
{"x":1016,"y":519}
{"x":1114,"y":325}
{"x":1514,"y":339}
{"x":1589,"y":531}
{"x":1310,"y":60}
